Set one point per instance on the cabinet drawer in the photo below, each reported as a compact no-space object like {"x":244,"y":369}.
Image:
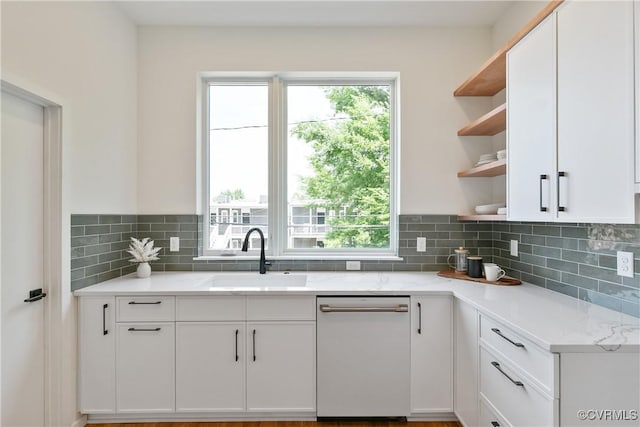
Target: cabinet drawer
{"x":145,"y":309}
{"x":207,"y":309}
{"x":518,"y":401}
{"x":489,"y":416}
{"x":523,"y":353}
{"x":281,"y":308}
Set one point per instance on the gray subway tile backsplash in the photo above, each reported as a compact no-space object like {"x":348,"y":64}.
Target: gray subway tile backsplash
{"x":578,"y":260}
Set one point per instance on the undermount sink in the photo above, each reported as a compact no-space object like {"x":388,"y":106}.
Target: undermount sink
{"x":271,"y":280}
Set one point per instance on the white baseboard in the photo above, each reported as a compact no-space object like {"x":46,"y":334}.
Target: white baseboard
{"x":197,"y":417}
{"x":80,"y":422}
{"x":432,"y":416}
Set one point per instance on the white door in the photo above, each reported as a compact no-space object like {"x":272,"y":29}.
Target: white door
{"x":465,"y":398}
{"x":145,"y":366}
{"x":431,"y":354}
{"x":596,"y":112}
{"x":531,"y":128}
{"x":22,"y":262}
{"x":210,"y":366}
{"x":281,"y":367}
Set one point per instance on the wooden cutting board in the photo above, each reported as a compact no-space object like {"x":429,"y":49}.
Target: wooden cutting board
{"x":504,"y":281}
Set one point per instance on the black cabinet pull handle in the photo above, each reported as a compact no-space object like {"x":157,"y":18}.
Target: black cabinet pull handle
{"x":237,"y":331}
{"x":35,"y":295}
{"x":104,"y":319}
{"x":560,"y":207}
{"x":254,"y":345}
{"x":495,"y":424}
{"x":144,"y":303}
{"x":144,"y":330}
{"x":497,"y":366}
{"x":419,"y":318}
{"x":517,"y":344}
{"x":542,"y":178}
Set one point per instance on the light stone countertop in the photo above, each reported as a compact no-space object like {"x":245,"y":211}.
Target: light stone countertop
{"x":556,"y":322}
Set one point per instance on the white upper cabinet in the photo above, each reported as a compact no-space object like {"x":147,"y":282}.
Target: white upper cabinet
{"x":531,"y":129}
{"x":571,"y":112}
{"x":596,"y":112}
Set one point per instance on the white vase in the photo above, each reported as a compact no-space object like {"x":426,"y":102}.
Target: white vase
{"x":144,"y":270}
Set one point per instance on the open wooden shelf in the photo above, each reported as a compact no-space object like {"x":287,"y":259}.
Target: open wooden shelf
{"x":499,"y":167}
{"x":482,"y":217}
{"x":495,"y":121}
{"x":491,"y":78}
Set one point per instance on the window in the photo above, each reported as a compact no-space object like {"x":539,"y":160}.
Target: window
{"x":309,"y":161}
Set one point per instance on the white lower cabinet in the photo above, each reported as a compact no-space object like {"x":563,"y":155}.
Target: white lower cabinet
{"x":465,"y":397}
{"x":210,"y":367}
{"x":281,"y":368}
{"x":145,"y":364}
{"x":431,"y":355}
{"x":97,"y":355}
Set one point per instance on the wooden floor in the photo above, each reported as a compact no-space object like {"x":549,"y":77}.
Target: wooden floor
{"x":290,"y":424}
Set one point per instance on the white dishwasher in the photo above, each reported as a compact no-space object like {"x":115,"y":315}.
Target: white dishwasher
{"x":363,"y":347}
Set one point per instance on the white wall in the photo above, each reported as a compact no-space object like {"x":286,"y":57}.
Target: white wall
{"x":432,"y":63}
{"x":82,"y":56}
{"x":85,"y":52}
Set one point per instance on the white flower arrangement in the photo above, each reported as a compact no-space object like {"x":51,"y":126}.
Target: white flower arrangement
{"x":143,"y":250}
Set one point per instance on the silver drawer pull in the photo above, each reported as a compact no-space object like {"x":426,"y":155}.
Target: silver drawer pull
{"x":400,"y":308}
{"x":517,"y":344}
{"x":144,"y":330}
{"x":497,"y":366}
{"x":144,"y":303}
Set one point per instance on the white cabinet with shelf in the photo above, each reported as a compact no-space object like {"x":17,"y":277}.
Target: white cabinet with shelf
{"x":571,"y":152}
{"x":431,"y":355}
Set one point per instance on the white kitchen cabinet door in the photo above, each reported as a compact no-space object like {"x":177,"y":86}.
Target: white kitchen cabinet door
{"x":97,"y":355}
{"x":145,"y":367}
{"x":466,"y":393}
{"x":281,"y":366}
{"x":210,"y":366}
{"x":431,"y":354}
{"x":596,"y":112}
{"x":531,"y":125}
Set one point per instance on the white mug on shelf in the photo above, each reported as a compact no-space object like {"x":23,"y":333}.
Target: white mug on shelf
{"x":493,"y":272}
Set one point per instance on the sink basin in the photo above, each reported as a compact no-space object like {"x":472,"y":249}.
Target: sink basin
{"x":270,"y":280}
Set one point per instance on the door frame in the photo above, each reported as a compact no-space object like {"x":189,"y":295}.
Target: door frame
{"x":52,"y":244}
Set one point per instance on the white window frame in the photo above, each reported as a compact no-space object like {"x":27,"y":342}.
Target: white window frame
{"x":277,"y":159}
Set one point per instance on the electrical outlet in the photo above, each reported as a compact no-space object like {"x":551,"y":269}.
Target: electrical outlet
{"x":514,"y":248}
{"x":353,"y":265}
{"x":625,"y":264}
{"x":174,"y":244}
{"x":421,"y":244}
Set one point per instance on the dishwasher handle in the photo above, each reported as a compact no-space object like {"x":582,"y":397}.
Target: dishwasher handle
{"x":398,"y":308}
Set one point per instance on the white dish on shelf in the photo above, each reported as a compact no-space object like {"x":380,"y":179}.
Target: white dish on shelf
{"x":490,"y":209}
{"x":488,"y":156}
{"x":502,"y":211}
{"x":502,"y":154}
{"x":484,"y":162}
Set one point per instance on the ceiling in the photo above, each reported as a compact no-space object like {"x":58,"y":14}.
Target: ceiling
{"x":315,"y":13}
